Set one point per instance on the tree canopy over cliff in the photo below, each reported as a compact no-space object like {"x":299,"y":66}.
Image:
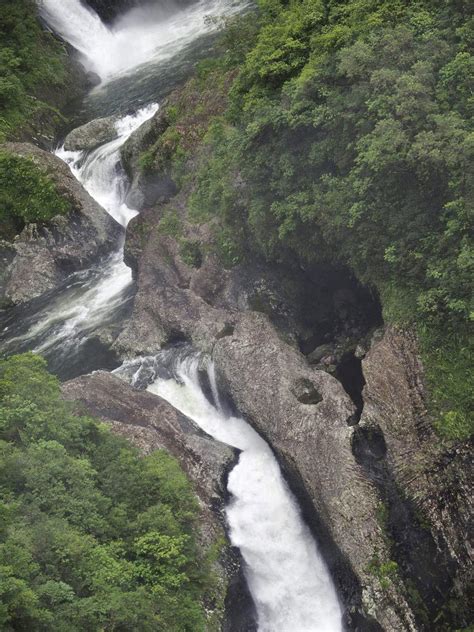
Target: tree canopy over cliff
{"x":349,"y":140}
{"x":34,"y":72}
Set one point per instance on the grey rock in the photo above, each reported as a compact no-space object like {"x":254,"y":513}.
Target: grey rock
{"x":7,"y":254}
{"x":91,"y":135}
{"x":319,"y":353}
{"x":151,"y":423}
{"x":436,"y":479}
{"x":314,"y":445}
{"x":45,"y":254}
{"x":146,"y":188}
{"x":305,"y":392}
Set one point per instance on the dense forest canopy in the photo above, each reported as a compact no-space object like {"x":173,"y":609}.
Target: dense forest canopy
{"x":36,"y":76}
{"x":92,"y":536}
{"x":324,"y":132}
{"x":349,"y":139}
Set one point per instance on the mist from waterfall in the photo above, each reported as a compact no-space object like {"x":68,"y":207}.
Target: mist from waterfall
{"x":140,"y":36}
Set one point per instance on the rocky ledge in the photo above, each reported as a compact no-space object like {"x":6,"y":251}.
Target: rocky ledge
{"x":43,"y":255}
{"x":425,"y":484}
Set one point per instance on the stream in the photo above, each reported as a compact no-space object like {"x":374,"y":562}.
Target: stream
{"x":287,"y":577}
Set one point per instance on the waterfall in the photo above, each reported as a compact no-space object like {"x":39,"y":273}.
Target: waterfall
{"x":286,"y":574}
{"x":92,"y":297}
{"x":139,"y":37}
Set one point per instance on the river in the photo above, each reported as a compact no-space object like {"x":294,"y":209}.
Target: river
{"x":286,"y":574}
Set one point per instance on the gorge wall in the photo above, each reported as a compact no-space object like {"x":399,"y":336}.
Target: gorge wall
{"x":301,"y":351}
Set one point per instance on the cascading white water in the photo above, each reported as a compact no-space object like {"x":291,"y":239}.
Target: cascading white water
{"x":99,"y":171}
{"x":286,"y":574}
{"x":139,"y":37}
{"x":86,"y":304}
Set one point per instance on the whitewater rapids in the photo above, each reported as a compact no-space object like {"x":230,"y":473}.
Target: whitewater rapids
{"x":286,"y":574}
{"x":139,"y":37}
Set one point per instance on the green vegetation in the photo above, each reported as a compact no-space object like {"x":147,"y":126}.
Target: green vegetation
{"x":33,"y":73}
{"x":26,"y":194}
{"x":387,"y":572}
{"x":190,"y":252}
{"x":348,"y":139}
{"x":92,"y":536}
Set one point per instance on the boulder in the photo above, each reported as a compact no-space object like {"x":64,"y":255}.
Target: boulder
{"x":45,"y":254}
{"x":92,"y":135}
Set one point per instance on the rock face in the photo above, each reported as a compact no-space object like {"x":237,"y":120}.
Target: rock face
{"x":146,"y":188}
{"x":45,"y":254}
{"x":273,"y":386}
{"x":293,"y":352}
{"x":426,"y":486}
{"x":151,"y":423}
{"x":91,"y":135}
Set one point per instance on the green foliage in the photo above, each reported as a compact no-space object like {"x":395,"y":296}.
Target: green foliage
{"x":93,"y":536}
{"x":27,"y":194}
{"x":450,"y":375}
{"x":190,"y":252}
{"x":32,"y":70}
{"x":170,"y":224}
{"x":349,"y":140}
{"x":386,"y":572}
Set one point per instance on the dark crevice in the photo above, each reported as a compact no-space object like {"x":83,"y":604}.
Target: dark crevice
{"x":349,"y":373}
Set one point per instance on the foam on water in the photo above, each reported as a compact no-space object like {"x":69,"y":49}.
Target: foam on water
{"x":287,"y":577}
{"x":93,"y":296}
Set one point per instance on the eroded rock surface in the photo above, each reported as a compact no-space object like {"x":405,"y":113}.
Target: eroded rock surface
{"x":45,"y":254}
{"x":427,"y":486}
{"x":313,"y":442}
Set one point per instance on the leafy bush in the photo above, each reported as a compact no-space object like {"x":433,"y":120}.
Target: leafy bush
{"x":93,"y":536}
{"x":27,"y":194}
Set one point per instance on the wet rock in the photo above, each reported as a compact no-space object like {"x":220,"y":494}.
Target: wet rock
{"x":45,"y":254}
{"x":258,"y":370}
{"x":92,"y":134}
